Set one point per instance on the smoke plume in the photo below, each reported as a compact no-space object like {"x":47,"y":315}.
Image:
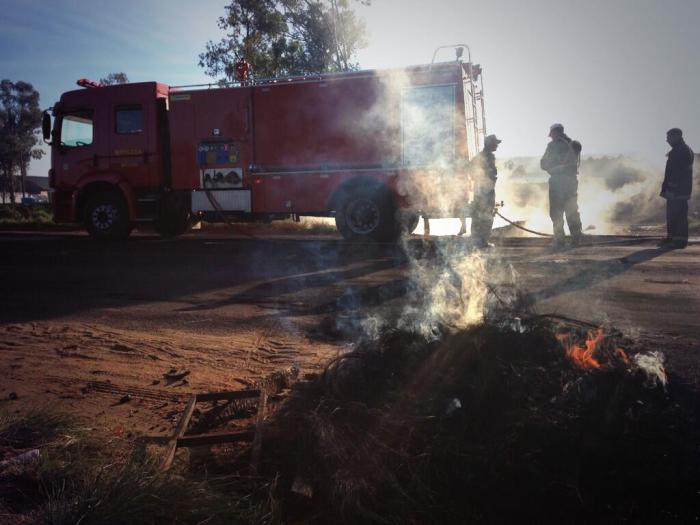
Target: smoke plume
{"x":616,"y":194}
{"x":450,"y":287}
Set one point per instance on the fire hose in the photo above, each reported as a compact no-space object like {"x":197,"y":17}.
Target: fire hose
{"x":521,"y":226}
{"x":220,"y":212}
{"x":513,"y":223}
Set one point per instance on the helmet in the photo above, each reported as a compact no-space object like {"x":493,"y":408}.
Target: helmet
{"x":492,"y":139}
{"x":556,"y":126}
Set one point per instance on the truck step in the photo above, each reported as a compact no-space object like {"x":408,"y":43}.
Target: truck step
{"x":147,"y":208}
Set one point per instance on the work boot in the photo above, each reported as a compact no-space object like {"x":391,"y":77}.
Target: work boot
{"x":480,"y":243}
{"x":579,"y":239}
{"x":557,"y":245}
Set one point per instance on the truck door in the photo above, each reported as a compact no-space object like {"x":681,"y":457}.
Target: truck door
{"x":78,"y":147}
{"x":132,"y":153}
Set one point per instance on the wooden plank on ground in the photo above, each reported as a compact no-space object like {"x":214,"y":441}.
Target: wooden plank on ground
{"x":257,"y":440}
{"x":234,"y":394}
{"x":179,"y":432}
{"x":213,"y":439}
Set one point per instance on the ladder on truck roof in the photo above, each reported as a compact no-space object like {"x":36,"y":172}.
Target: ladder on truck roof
{"x":262,"y":81}
{"x":474,"y":107}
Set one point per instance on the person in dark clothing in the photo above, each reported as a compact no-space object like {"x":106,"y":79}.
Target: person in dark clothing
{"x":561,"y":160}
{"x":483,"y":170}
{"x":676,"y":189}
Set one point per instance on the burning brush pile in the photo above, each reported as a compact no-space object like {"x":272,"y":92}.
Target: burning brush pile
{"x":534,"y":420}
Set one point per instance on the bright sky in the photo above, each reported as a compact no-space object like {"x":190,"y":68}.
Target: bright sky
{"x":617,"y":73}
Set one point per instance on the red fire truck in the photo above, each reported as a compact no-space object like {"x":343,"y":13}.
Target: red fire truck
{"x":374,"y":149}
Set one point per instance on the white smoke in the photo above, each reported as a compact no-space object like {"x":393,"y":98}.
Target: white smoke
{"x":449,"y":292}
{"x":449,"y":284}
{"x":615,"y":194}
{"x":651,"y":364}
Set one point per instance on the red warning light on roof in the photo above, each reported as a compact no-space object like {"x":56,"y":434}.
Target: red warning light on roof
{"x":87,"y":83}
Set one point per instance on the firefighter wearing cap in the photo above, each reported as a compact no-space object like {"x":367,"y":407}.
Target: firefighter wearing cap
{"x":484,"y":172}
{"x":561,"y":160}
{"x":676,"y":189}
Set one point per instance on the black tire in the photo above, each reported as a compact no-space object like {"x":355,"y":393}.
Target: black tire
{"x":106,"y":216}
{"x":367,"y":212}
{"x":174,"y":217}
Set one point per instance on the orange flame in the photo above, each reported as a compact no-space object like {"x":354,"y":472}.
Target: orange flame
{"x":588,"y":355}
{"x":619,"y":352}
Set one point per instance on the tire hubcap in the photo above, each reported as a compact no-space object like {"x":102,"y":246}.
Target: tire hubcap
{"x":104,"y":216}
{"x":362,"y":216}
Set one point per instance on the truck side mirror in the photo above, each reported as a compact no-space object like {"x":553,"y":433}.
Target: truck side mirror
{"x":46,"y":127}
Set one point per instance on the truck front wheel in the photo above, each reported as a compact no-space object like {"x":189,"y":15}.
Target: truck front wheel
{"x":367,"y":213}
{"x":106,"y":216}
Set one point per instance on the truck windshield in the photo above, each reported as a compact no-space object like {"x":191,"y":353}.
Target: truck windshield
{"x":76,"y":129}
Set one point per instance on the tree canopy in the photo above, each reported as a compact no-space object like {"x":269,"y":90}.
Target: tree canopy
{"x":114,"y":78}
{"x":20,"y":119}
{"x":286,"y":37}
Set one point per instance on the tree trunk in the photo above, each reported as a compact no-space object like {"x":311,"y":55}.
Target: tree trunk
{"x":10,"y":179}
{"x":22,"y":174}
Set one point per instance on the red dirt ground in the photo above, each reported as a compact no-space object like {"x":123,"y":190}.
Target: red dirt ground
{"x":84,"y":324}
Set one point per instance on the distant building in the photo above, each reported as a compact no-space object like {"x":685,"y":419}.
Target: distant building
{"x":37,"y":187}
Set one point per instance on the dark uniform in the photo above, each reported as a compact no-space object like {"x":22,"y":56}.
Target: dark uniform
{"x":483,"y":169}
{"x":561,"y":161}
{"x":676,"y":189}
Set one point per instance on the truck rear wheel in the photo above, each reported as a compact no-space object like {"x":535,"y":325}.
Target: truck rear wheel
{"x":367,"y":213}
{"x":106,"y":216}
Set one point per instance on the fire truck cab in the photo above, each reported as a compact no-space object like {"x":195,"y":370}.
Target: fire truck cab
{"x":371,"y":148}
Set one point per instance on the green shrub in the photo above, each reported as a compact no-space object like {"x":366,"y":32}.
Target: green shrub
{"x":22,"y":214}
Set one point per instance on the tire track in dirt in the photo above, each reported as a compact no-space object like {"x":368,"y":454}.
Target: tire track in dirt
{"x":90,"y":366}
{"x":118,"y":390}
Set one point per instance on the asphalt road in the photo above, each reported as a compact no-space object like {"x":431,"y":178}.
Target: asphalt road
{"x":218,"y":285}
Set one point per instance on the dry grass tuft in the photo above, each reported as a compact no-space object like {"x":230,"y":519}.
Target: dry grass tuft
{"x":81,"y":477}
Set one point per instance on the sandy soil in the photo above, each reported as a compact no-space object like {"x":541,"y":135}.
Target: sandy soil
{"x":83,"y":324}
{"x":89,"y":367}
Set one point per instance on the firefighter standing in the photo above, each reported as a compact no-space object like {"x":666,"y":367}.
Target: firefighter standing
{"x":676,"y":189}
{"x":561,"y":160}
{"x":484,"y":172}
